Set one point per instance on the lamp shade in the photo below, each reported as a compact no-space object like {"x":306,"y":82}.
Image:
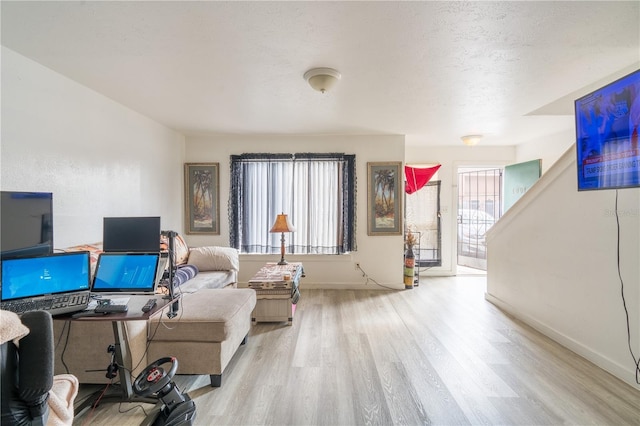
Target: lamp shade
{"x":282,"y":224}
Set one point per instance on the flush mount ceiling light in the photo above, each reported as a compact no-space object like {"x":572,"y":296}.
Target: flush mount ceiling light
{"x":471,"y":140}
{"x":322,"y":79}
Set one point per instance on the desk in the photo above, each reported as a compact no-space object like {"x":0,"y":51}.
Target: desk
{"x":276,"y":296}
{"x":122,"y":355}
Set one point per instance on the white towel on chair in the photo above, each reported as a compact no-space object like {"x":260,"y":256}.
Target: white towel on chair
{"x":61,"y":398}
{"x":11,"y":328}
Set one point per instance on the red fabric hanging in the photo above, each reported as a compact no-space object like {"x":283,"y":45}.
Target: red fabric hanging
{"x":418,"y":177}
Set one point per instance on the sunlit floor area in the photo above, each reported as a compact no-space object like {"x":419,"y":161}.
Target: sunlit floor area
{"x":436,"y":354}
{"x":465,"y":271}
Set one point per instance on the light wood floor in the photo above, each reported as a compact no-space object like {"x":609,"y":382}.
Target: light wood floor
{"x":437,"y":354}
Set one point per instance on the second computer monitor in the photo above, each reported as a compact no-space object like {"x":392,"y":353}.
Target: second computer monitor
{"x":131,"y":234}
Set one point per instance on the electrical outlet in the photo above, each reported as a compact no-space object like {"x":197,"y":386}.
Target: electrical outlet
{"x":357,"y":266}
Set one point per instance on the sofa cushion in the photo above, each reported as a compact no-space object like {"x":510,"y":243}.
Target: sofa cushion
{"x":184,"y":273}
{"x":207,"y":316}
{"x":213,"y":258}
{"x":210,"y":279}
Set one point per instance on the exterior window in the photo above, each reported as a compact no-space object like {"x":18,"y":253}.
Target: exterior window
{"x":316,"y":191}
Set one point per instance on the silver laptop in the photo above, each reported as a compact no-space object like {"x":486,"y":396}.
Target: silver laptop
{"x":127,"y":273}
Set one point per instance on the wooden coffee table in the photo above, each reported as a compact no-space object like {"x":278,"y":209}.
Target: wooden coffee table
{"x":277,"y":292}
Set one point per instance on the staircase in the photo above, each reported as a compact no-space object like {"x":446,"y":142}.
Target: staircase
{"x":552,"y":263}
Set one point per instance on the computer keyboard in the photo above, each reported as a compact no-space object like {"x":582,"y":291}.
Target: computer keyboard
{"x":55,"y":304}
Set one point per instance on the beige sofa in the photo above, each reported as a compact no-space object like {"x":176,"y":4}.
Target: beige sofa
{"x":214,"y":319}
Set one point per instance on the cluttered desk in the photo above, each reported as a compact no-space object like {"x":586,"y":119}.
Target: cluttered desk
{"x":135,"y":305}
{"x":123,"y":289}
{"x":61,"y":283}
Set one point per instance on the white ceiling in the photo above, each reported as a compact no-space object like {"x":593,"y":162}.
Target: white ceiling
{"x":433,"y":71}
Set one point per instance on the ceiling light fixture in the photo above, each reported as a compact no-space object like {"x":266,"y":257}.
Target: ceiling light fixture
{"x":322,"y":79}
{"x":471,"y":140}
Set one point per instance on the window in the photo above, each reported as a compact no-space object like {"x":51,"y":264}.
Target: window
{"x":316,"y":191}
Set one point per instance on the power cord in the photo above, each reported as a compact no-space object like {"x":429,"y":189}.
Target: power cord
{"x":365,"y":275}
{"x":67,"y":326}
{"x":161,"y":321}
{"x":121,"y":411}
{"x":636,"y":361}
{"x":96,"y":403}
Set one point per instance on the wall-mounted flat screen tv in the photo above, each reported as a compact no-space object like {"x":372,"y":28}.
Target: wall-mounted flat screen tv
{"x":607,"y":132}
{"x":131,"y":234}
{"x":26,"y":224}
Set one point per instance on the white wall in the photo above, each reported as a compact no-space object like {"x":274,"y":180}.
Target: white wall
{"x":96,"y":156}
{"x":552,"y":262}
{"x":380,"y":256}
{"x":548,"y":149}
{"x":451,"y":158}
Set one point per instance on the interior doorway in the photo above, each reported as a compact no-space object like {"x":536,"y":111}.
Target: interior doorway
{"x":479,"y":207}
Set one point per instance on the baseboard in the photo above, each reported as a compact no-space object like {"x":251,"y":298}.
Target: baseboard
{"x":617,"y":370}
{"x":304,"y":285}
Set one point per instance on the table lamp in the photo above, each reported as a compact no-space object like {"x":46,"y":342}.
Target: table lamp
{"x":282,"y":225}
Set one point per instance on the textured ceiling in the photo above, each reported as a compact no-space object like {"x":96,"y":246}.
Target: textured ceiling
{"x":433,"y":71}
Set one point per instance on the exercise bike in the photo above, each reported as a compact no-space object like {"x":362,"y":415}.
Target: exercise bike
{"x":178,"y":409}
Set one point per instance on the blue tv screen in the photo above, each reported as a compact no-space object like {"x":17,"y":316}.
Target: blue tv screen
{"x":607,"y":127}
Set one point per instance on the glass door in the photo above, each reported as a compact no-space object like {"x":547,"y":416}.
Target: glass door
{"x":479,"y":207}
{"x":422,"y":218}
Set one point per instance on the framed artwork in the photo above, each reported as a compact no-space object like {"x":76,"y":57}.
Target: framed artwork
{"x":202,"y":193}
{"x":384,"y":207}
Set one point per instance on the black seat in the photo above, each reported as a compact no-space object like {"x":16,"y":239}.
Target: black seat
{"x":27,"y":372}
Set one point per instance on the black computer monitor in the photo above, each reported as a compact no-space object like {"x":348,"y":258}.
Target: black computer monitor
{"x":131,"y":234}
{"x":26,"y":221}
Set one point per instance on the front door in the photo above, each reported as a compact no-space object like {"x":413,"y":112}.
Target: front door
{"x":479,"y":206}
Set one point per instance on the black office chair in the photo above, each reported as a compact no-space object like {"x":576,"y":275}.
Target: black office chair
{"x":27,"y":372}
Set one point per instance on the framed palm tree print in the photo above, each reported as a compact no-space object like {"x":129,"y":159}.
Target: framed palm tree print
{"x":202,"y":206}
{"x":384,"y":207}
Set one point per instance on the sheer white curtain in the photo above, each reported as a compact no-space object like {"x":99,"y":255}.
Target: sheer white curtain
{"x":309,"y":190}
{"x":266,"y":193}
{"x":316,"y":211}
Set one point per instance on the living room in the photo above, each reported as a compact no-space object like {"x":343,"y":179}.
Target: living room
{"x":103,"y":157}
